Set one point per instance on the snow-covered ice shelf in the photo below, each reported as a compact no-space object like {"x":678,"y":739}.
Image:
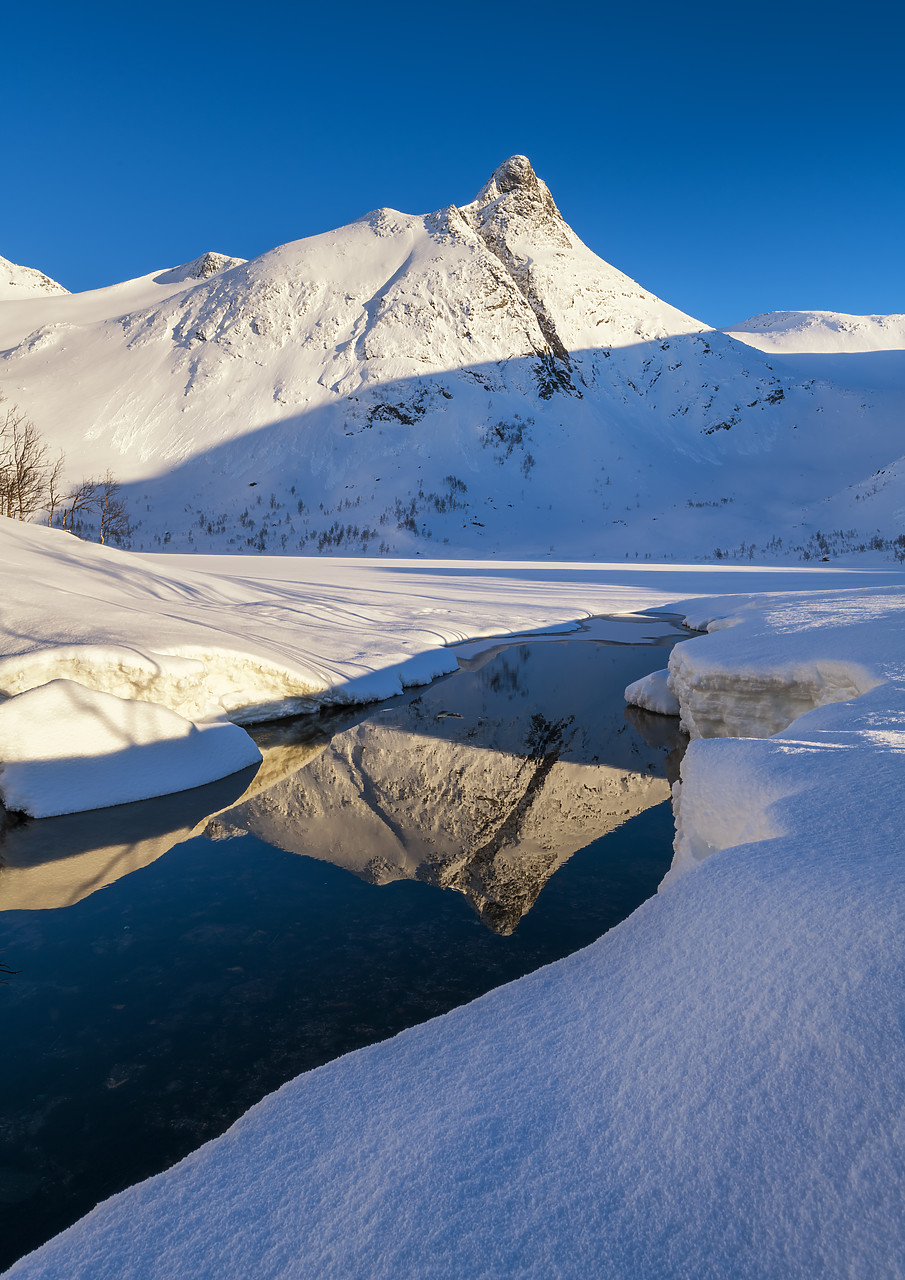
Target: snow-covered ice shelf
{"x":65,"y":749}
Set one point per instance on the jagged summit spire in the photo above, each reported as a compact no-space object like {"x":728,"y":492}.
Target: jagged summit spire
{"x":514,"y":172}
{"x":516,"y":186}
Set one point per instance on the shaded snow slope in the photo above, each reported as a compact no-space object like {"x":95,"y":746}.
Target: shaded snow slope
{"x":17,"y":282}
{"x":474,"y":381}
{"x":712,"y":1089}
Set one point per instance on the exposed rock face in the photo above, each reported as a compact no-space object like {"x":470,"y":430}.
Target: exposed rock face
{"x":209,"y":264}
{"x":515,"y":215}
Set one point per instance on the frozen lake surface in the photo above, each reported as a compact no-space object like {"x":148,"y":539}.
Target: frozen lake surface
{"x":179,"y":959}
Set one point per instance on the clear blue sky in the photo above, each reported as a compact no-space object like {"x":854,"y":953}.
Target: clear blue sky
{"x":732,"y":158}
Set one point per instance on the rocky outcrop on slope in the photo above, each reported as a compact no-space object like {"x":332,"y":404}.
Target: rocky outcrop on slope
{"x":209,"y":264}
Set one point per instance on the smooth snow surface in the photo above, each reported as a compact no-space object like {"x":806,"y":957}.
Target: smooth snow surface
{"x":713,"y":1089}
{"x":65,"y":749}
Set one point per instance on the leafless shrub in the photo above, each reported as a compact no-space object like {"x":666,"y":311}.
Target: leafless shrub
{"x":24,"y":466}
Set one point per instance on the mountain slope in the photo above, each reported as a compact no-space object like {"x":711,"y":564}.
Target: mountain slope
{"x":18,"y":282}
{"x":471,"y":381}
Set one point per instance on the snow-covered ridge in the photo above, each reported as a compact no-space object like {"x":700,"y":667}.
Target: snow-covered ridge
{"x":793,"y":332}
{"x":201,"y":268}
{"x":17,"y":283}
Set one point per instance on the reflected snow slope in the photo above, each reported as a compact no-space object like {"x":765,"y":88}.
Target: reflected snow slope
{"x":56,"y":862}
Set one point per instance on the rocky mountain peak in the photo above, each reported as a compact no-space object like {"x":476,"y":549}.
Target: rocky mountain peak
{"x":514,"y":172}
{"x":209,"y":264}
{"x":515,"y":190}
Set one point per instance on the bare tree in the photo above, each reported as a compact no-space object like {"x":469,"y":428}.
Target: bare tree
{"x":112,"y":515}
{"x":24,"y":466}
{"x":30,"y":482}
{"x":53,"y":496}
{"x":81,"y":499}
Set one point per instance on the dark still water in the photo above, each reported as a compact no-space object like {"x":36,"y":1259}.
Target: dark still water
{"x":174,"y":967}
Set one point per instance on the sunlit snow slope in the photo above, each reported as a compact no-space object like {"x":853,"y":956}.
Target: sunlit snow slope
{"x":24,"y":282}
{"x":474,"y":380}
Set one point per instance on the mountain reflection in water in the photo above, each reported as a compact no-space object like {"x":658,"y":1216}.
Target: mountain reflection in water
{"x":485,"y":782}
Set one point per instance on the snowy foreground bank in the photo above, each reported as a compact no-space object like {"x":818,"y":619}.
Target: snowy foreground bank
{"x":713,"y":1089}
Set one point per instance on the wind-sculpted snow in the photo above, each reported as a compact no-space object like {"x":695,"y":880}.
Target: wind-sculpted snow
{"x":65,"y":748}
{"x":822,"y":679}
{"x":772,"y":659}
{"x":470,"y":381}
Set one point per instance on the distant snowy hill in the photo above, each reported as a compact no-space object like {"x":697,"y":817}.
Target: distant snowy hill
{"x":793,"y":332}
{"x":474,"y":381}
{"x":24,"y":282}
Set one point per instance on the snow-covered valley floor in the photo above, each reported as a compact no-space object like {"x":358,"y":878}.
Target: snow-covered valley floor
{"x":712,"y":1089}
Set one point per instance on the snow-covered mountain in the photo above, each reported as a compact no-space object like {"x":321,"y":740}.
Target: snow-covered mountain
{"x":18,"y":282}
{"x":472,"y":381}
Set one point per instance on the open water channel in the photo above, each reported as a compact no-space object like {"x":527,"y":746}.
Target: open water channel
{"x":179,"y":959}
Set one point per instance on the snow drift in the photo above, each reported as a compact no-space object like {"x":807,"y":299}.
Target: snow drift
{"x":65,"y":748}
